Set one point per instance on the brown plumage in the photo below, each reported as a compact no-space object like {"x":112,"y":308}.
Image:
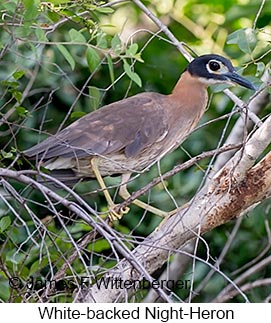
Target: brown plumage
{"x":124,"y":136}
{"x":132,"y":134}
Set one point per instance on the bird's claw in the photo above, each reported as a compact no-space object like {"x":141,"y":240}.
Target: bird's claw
{"x":116,"y":213}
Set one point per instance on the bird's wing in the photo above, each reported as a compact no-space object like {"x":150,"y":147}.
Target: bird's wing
{"x":130,"y":125}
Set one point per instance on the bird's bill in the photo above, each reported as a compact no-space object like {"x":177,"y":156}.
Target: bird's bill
{"x":236,"y":78}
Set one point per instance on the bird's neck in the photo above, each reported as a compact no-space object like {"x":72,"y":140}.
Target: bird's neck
{"x":189,"y":87}
{"x":188,"y":100}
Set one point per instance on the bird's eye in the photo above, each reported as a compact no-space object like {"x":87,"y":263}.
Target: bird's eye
{"x":214,"y":66}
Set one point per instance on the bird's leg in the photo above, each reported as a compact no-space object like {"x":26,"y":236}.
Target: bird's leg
{"x":123,"y":192}
{"x":113,"y":215}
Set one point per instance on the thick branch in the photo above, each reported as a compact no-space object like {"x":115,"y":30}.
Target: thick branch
{"x":212,"y":206}
{"x":83,"y":212}
{"x":244,"y":159}
{"x":243,"y":124}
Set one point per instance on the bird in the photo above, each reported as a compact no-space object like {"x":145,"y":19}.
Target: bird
{"x":130,"y":135}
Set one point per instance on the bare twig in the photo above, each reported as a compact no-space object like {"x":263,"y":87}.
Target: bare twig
{"x":182,"y":48}
{"x":27,"y":89}
{"x":179,"y":45}
{"x":175,"y":170}
{"x":212,"y":206}
{"x":261,"y":254}
{"x":173,"y":272}
{"x":230,"y":240}
{"x":255,"y":106}
{"x":258,"y":14}
{"x":246,"y":287}
{"x":101,"y":227}
{"x":243,"y":107}
{"x":227,"y":291}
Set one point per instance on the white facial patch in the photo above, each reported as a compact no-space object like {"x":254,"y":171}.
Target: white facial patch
{"x":212,"y":81}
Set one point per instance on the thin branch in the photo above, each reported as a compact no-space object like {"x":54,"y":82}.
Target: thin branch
{"x":224,"y":294}
{"x":212,"y":206}
{"x":226,"y":248}
{"x":102,"y":228}
{"x":176,"y":169}
{"x":255,"y":106}
{"x":182,"y":48}
{"x":207,"y":210}
{"x":26,"y":91}
{"x":61,"y":273}
{"x":243,"y":107}
{"x":179,"y":45}
{"x":173,"y":272}
{"x":258,"y":14}
{"x":261,"y":254}
{"x":256,"y":284}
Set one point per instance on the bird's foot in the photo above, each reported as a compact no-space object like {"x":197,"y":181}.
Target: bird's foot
{"x":115,"y":213}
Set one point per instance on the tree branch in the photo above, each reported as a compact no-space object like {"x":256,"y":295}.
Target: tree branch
{"x":227,"y":291}
{"x":243,"y":124}
{"x":83,"y":212}
{"x":215,"y":204}
{"x":176,"y":169}
{"x":179,"y":45}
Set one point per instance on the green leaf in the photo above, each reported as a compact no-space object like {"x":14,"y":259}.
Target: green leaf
{"x":58,"y":2}
{"x":10,"y":84}
{"x":28,"y":3}
{"x":41,"y":34}
{"x":17,"y":94}
{"x":105,"y":10}
{"x":7,"y":155}
{"x":30,"y":12}
{"x":77,"y":115}
{"x":111,"y":69}
{"x":245,"y":39}
{"x":18,"y":74}
{"x":95,"y":95}
{"x":132,"y":50}
{"x":100,"y":245}
{"x":260,"y":69}
{"x":116,"y":44}
{"x":22,"y":111}
{"x":45,"y":170}
{"x":76,"y":36}
{"x":38,"y":265}
{"x":53,"y":16}
{"x":67,"y":55}
{"x":138,"y":57}
{"x":10,"y":6}
{"x":93,"y":59}
{"x":233,"y":37}
{"x":101,"y":41}
{"x":133,"y":76}
{"x":4,"y":223}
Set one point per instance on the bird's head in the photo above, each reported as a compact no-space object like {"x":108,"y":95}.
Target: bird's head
{"x":213,"y":69}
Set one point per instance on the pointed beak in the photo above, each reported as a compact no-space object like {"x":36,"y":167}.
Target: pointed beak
{"x":236,"y":78}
